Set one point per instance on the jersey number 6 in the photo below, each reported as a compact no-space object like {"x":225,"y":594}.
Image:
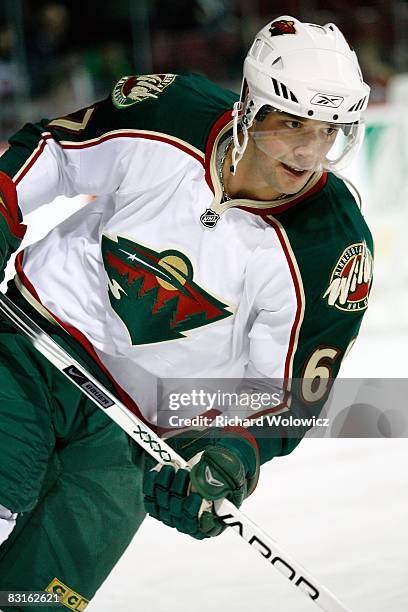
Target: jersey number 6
{"x":318,"y":374}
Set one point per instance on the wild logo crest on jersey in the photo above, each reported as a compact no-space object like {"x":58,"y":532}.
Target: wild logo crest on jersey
{"x":153,"y":292}
{"x":133,"y":89}
{"x":351,"y":279}
{"x":282,"y":27}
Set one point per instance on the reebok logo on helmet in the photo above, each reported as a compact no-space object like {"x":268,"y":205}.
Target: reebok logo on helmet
{"x":321,"y":99}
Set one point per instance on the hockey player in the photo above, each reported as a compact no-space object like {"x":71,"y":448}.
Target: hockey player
{"x":221,"y":244}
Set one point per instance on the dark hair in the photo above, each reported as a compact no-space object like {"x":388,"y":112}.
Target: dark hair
{"x":263,"y":111}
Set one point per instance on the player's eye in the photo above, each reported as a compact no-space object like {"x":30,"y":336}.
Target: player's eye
{"x":293,"y":125}
{"x":330,"y":131}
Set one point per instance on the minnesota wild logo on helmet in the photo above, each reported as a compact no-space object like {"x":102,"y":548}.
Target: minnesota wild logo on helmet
{"x":282,"y":27}
{"x":153,"y":292}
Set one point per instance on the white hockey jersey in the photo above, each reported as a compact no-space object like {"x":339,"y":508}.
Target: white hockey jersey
{"x":273,"y":290}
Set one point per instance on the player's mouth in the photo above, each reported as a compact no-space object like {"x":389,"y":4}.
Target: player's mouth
{"x":294,"y":171}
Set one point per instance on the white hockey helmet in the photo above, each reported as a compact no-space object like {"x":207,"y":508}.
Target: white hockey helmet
{"x":306,"y":70}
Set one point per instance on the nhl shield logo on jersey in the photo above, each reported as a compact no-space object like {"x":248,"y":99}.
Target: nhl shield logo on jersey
{"x":351,"y":278}
{"x":282,"y":27}
{"x":153,"y":292}
{"x":209,"y":218}
{"x":133,"y":89}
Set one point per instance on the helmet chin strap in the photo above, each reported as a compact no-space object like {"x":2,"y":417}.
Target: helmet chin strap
{"x":239,"y":148}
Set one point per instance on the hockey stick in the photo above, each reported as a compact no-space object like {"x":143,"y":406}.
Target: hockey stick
{"x":163,"y":453}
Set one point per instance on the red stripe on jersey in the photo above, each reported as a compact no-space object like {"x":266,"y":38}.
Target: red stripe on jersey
{"x":84,"y":342}
{"x":9,"y":206}
{"x":21,"y":274}
{"x":32,"y":161}
{"x":215,"y":130}
{"x":86,"y":145}
{"x":298,"y":293}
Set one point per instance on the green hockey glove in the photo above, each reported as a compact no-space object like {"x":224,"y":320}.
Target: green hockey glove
{"x":220,"y":467}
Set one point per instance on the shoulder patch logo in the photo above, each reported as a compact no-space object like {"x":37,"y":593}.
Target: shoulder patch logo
{"x":351,"y":278}
{"x":133,"y":89}
{"x":153,"y":292}
{"x":282,"y":27}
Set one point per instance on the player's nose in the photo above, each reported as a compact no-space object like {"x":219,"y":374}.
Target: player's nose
{"x":309,"y":151}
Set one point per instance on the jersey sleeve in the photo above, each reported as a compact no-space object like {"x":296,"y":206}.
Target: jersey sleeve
{"x":308,"y":313}
{"x":66,"y":156}
{"x":89,"y":150}
{"x":77,"y":154}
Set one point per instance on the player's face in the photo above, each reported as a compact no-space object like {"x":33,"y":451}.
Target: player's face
{"x":288,"y":149}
